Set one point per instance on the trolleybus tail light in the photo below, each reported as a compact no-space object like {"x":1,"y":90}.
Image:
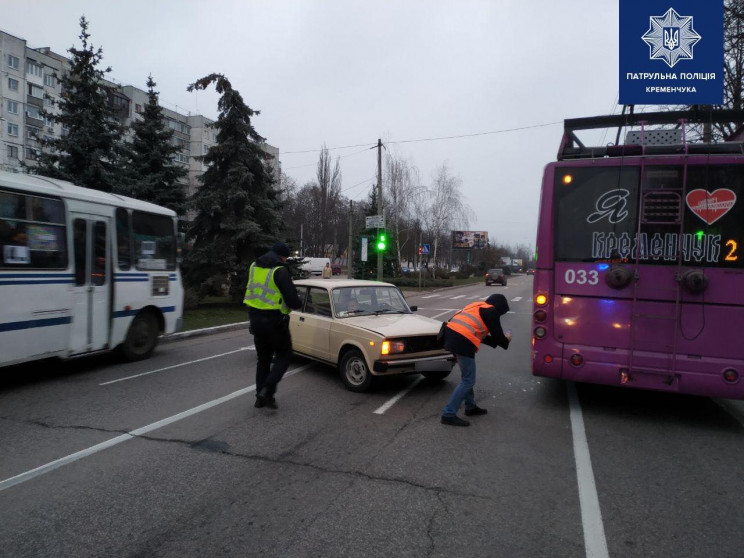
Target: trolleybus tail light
{"x":541,"y":300}
{"x":576,"y":359}
{"x":540,"y":315}
{"x":731,"y":375}
{"x":548,"y":358}
{"x":539,"y":332}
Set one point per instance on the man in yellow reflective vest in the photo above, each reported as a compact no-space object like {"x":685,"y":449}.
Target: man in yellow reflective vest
{"x":270,"y":295}
{"x":477,"y":323}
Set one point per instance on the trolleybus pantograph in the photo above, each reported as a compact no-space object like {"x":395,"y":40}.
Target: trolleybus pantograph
{"x":639,"y":278}
{"x":83,"y":271}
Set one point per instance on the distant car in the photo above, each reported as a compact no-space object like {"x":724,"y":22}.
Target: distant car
{"x":495,"y":275}
{"x":336,"y":269}
{"x":530,"y":272}
{"x":366,"y":329}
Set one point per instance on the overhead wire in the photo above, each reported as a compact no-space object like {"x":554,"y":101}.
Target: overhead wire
{"x":417,"y":140}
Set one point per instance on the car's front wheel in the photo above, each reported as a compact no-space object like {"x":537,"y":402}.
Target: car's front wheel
{"x":355,"y":373}
{"x":436,"y":376}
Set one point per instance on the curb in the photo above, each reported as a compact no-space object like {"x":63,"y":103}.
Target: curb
{"x":199,"y":332}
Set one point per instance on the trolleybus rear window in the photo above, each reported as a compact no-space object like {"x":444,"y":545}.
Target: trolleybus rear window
{"x":598,"y":209}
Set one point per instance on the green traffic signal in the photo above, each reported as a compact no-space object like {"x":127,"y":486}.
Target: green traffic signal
{"x":381,"y":242}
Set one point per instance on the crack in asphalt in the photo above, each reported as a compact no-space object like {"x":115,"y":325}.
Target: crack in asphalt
{"x":51,"y":425}
{"x":314,"y":466}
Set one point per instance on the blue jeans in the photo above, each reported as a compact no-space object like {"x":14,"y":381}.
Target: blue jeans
{"x":464,"y":390}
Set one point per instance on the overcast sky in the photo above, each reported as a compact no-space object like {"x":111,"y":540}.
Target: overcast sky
{"x":346,"y":72}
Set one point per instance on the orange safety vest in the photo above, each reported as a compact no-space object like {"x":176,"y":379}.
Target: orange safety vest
{"x":468,"y":323}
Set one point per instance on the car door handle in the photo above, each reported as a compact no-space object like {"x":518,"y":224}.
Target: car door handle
{"x":302,"y":319}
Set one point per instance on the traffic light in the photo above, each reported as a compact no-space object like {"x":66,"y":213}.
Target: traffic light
{"x":381,"y":241}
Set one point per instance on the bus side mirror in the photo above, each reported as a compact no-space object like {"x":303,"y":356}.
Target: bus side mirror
{"x":413,"y":308}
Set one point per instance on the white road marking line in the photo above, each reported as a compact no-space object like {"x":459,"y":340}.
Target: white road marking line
{"x":252,"y":347}
{"x":472,"y":297}
{"x":430,"y":296}
{"x":395,"y":399}
{"x":516,"y":299}
{"x":456,"y":297}
{"x":441,"y":314}
{"x":595,"y":543}
{"x":51,"y":466}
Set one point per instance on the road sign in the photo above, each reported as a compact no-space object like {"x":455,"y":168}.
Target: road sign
{"x":376,"y":222}
{"x":364,"y":249}
{"x":425,"y":249}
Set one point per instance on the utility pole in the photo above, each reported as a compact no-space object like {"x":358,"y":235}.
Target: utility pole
{"x":349,"y":250}
{"x":379,"y":202}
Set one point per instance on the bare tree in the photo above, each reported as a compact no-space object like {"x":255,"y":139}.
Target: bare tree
{"x":733,"y":60}
{"x":400,"y":182}
{"x":329,"y":185}
{"x":447,"y":209}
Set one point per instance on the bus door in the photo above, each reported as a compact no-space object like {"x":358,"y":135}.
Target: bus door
{"x":92,"y":283}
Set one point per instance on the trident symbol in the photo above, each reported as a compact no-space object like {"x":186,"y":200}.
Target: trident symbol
{"x":671,"y":38}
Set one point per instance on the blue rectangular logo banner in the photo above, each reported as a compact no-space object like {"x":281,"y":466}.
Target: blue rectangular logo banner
{"x":671,"y":52}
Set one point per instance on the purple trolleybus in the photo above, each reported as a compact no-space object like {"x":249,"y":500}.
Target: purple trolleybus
{"x":640,"y":259}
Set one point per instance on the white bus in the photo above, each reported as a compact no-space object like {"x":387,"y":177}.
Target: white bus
{"x":83,"y":271}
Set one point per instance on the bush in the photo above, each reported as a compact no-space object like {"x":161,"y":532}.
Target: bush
{"x":190,"y":299}
{"x":465,"y":271}
{"x":414,"y":281}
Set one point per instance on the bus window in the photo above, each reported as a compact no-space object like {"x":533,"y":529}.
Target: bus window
{"x":34,"y":239}
{"x":154,"y":241}
{"x":98,"y":261}
{"x":123,"y":240}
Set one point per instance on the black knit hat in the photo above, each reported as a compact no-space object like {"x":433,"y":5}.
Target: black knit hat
{"x":280,"y":249}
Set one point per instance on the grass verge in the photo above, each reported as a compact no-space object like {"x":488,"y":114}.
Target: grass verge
{"x":214,"y":311}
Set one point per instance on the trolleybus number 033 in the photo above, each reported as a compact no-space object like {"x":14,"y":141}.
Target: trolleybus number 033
{"x":581,"y":277}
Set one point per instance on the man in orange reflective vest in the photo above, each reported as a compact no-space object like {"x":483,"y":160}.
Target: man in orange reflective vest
{"x":477,"y":323}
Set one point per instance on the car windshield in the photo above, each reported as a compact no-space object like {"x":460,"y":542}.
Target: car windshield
{"x":495,"y":271}
{"x":357,"y":301}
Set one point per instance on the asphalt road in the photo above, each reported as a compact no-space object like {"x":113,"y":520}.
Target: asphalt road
{"x":168,"y":457}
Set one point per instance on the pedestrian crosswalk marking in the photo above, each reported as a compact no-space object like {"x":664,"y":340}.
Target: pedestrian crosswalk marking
{"x":516,"y":299}
{"x":456,"y":297}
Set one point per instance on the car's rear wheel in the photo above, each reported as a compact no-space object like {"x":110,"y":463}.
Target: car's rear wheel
{"x":355,"y":373}
{"x":436,"y":376}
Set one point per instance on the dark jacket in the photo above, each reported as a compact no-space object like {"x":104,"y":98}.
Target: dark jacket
{"x":283,"y":281}
{"x":491,"y":316}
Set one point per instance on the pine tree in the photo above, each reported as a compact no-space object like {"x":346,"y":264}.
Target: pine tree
{"x":237,"y":208}
{"x":88,"y":151}
{"x":152,"y":174}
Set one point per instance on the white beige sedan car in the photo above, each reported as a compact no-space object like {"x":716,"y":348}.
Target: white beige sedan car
{"x":366,"y":329}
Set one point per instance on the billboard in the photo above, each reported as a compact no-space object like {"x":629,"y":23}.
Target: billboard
{"x":469,"y":239}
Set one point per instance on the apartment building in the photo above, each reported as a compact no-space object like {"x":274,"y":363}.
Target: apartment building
{"x":28,"y":83}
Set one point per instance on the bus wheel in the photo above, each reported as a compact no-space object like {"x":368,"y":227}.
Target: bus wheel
{"x":354,"y":371}
{"x":142,"y":337}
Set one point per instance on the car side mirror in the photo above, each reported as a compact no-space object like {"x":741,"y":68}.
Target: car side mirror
{"x":413,"y":308}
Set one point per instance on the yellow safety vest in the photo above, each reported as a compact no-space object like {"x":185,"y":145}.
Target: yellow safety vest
{"x":261,"y":292}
